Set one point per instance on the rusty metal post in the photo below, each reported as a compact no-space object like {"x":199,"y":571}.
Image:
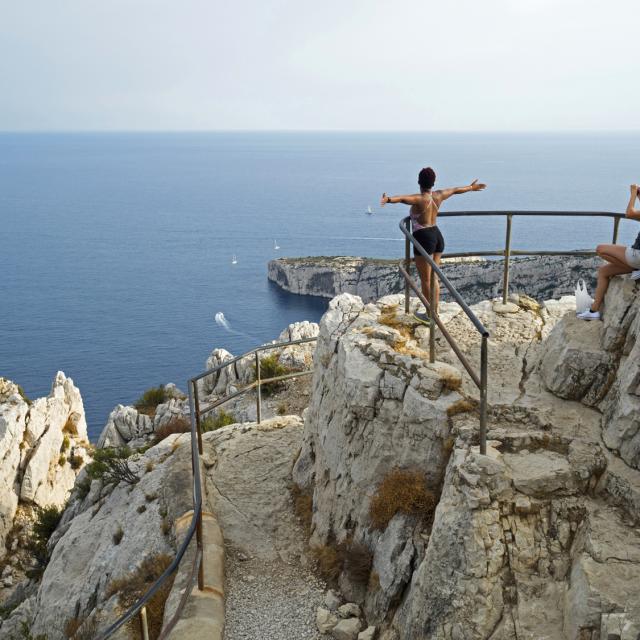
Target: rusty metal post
{"x":616,"y":225}
{"x":197,"y":412}
{"x":143,"y":623}
{"x":432,"y":314}
{"x":200,"y":545}
{"x":258,"y":390}
{"x":484,"y":359}
{"x":407,"y":266}
{"x":507,"y":256}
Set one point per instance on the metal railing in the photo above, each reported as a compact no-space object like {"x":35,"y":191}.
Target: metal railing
{"x":195,"y":527}
{"x":481,"y":379}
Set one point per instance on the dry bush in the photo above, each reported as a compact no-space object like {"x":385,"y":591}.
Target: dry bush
{"x":357,"y":561}
{"x":303,"y":507}
{"x":450,"y":381}
{"x":329,"y":562}
{"x":70,"y":427}
{"x":177,"y":424}
{"x":135,"y":584}
{"x":81,"y":628}
{"x":401,"y":491}
{"x":389,"y":317}
{"x":460,"y":406}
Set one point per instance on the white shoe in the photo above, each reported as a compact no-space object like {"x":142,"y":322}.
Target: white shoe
{"x":635,"y":275}
{"x":589,"y":315}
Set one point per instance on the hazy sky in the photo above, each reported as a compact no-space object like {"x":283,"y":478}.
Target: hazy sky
{"x":329,"y":64}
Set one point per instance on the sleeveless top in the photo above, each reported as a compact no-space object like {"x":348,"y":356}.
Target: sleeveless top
{"x":415,"y":223}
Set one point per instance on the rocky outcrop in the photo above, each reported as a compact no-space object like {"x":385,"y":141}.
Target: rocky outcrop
{"x":542,"y":277}
{"x":536,"y":539}
{"x":599,"y":364}
{"x":43,"y":445}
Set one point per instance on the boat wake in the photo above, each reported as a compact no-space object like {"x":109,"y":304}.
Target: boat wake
{"x":222,"y":322}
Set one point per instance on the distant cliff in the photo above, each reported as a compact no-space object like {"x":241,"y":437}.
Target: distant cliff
{"x":541,"y":277}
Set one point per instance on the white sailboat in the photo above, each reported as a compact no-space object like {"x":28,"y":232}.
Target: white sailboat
{"x":275,"y":245}
{"x":234,"y":260}
{"x":369,"y":210}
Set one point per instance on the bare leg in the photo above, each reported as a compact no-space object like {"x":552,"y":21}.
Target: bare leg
{"x":424,"y":270}
{"x":613,"y":253}
{"x":605,"y":273}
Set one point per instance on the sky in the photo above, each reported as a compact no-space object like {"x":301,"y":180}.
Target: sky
{"x":452,"y":65}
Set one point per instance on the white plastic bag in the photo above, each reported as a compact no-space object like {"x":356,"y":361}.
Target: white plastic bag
{"x":583,"y":299}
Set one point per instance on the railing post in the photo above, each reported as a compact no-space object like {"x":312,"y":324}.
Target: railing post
{"x":483,"y":395}
{"x":196,"y":400}
{"x":616,"y":225}
{"x":143,"y":623}
{"x":407,"y":266}
{"x":259,"y":390}
{"x":432,"y":314}
{"x":200,"y":545}
{"x":507,"y":255}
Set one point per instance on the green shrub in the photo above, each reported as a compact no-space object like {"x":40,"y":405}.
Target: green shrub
{"x":47,"y":519}
{"x":66,"y":443}
{"x":25,"y":632}
{"x":83,"y":487}
{"x":23,"y":395}
{"x":76,"y":461}
{"x":150,"y":399}
{"x":221,"y":419}
{"x":62,"y":460}
{"x":112,"y":466}
{"x":270,"y":368}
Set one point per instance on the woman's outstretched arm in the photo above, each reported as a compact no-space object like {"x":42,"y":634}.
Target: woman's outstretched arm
{"x":632,"y":213}
{"x":452,"y":191}
{"x":410,"y":199}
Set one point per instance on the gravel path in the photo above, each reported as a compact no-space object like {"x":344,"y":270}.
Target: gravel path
{"x":270,"y":600}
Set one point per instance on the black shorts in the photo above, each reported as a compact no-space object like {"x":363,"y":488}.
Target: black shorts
{"x":431,"y":240}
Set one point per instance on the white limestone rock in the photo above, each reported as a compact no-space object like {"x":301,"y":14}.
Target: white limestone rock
{"x":347,"y":629}
{"x":325,"y":620}
{"x":125,"y":424}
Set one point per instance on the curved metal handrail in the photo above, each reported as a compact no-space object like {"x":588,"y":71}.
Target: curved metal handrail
{"x":195,"y":526}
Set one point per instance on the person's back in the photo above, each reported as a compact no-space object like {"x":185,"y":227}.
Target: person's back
{"x":424,"y":211}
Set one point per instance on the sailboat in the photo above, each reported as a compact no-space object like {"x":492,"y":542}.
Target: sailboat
{"x":275,"y":245}
{"x":369,"y":211}
{"x":234,"y":260}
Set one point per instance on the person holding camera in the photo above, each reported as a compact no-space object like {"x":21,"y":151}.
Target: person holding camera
{"x":620,"y":259}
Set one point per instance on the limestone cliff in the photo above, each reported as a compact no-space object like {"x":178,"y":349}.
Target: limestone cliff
{"x":476,"y":279}
{"x":537,"y":539}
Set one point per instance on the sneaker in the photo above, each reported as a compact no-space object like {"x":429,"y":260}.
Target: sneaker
{"x":635,"y":275}
{"x":589,"y":315}
{"x":422,"y":317}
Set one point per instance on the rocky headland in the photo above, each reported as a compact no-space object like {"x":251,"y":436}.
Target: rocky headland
{"x":541,"y":277}
{"x":360,"y":508}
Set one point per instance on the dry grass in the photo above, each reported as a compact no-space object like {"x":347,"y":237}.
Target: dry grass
{"x":70,"y":427}
{"x":389,"y":317}
{"x":133,"y":585}
{"x":401,"y":491}
{"x":450,"y":381}
{"x":357,"y":563}
{"x":460,"y":406}
{"x":175,"y":425}
{"x":303,"y":507}
{"x":81,"y":628}
{"x":329,"y":562}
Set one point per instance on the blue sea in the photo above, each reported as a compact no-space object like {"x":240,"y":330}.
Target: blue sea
{"x":116,"y":249}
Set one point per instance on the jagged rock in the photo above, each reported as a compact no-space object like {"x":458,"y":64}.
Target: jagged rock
{"x":219,"y":382}
{"x":368,"y":634}
{"x":298,"y":357}
{"x":175,"y":408}
{"x":325,"y":620}
{"x":108,"y":540}
{"x":347,"y":629}
{"x":540,"y":472}
{"x":332,"y":600}
{"x":36,"y":440}
{"x":349,"y":610}
{"x":124,"y":425}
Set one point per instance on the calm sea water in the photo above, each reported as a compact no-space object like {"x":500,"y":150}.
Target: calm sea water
{"x":115,"y":249}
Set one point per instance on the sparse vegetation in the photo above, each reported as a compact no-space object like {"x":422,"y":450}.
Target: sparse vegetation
{"x":132,"y":586}
{"x":25,"y":633}
{"x":177,"y":424}
{"x":354,"y":560}
{"x":149,"y":467}
{"x":282,"y":409}
{"x":303,"y":507}
{"x":221,"y":419}
{"x":47,"y":519}
{"x":112,"y":466}
{"x":460,"y":406}
{"x":70,"y":425}
{"x":165,"y":526}
{"x":24,"y":396}
{"x":357,"y":561}
{"x":329,"y":562}
{"x":62,"y":460}
{"x":150,"y":399}
{"x":66,"y":443}
{"x":118,"y":535}
{"x":76,"y":461}
{"x":81,"y":628}
{"x":401,"y":491}
{"x":141,"y":509}
{"x":83,"y":487}
{"x":150,"y":497}
{"x":270,"y":367}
